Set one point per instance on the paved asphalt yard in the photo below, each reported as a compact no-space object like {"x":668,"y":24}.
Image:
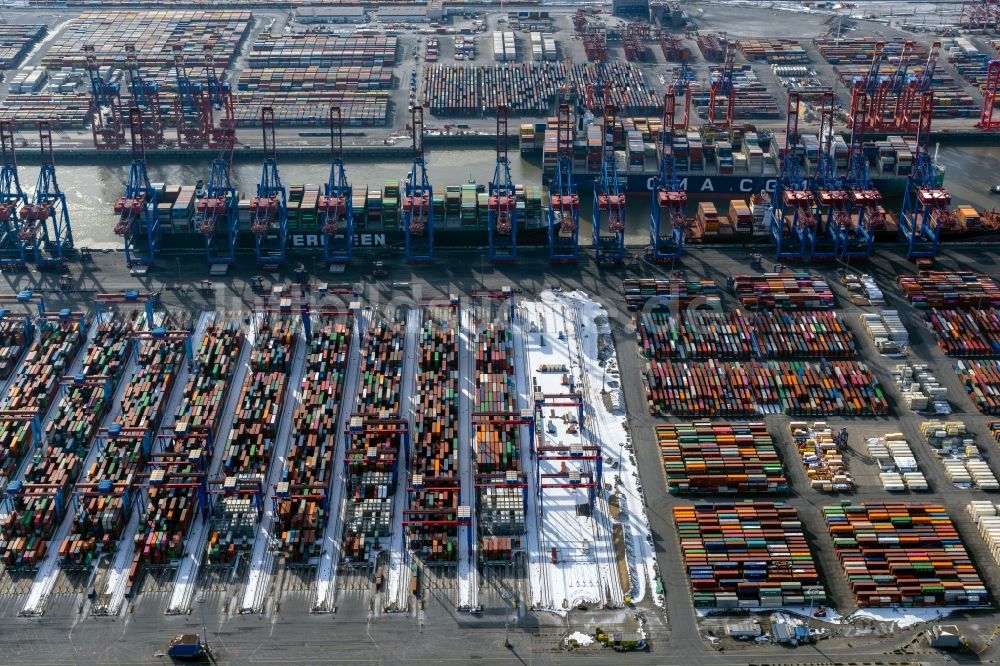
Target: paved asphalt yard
{"x":433,"y":631}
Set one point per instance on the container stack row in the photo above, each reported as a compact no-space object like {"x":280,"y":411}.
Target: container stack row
{"x":720,"y":458}
{"x":153,"y":34}
{"x":13,"y":342}
{"x":774,"y":51}
{"x":782,"y":291}
{"x":898,"y":469}
{"x":967,"y":333}
{"x":530,"y":88}
{"x":765,"y":334}
{"x":962,"y":458}
{"x":300,"y":75}
{"x":33,"y":388}
{"x":822,"y":455}
{"x":104,"y":499}
{"x":253,"y":435}
{"x":146,"y":396}
{"x":747,"y":555}
{"x":40,"y":499}
{"x":434,"y":498}
{"x":740,"y":389}
{"x":375,"y":442}
{"x":17,"y":40}
{"x":897,"y":553}
{"x":667,"y":291}
{"x":950,"y":289}
{"x":982,"y":382}
{"x":199,"y":417}
{"x":498,"y":465}
{"x":304,"y":486}
{"x":86,"y":397}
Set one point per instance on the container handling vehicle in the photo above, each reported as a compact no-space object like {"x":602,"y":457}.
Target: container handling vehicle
{"x":187,"y":646}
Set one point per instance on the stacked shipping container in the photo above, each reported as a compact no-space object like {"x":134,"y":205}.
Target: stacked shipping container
{"x":33,"y":388}
{"x":735,"y":389}
{"x":720,"y":457}
{"x":374,"y":441}
{"x":896,"y":553}
{"x":304,"y":485}
{"x":434,"y":476}
{"x":747,"y":555}
{"x":253,"y":435}
{"x":40,"y":501}
{"x":498,"y":465}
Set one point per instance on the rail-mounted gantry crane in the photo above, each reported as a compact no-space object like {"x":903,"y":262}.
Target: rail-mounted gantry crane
{"x":335,"y":210}
{"x":502,"y":222}
{"x":190,"y":115}
{"x":12,"y":198}
{"x":564,"y":200}
{"x":46,"y":230}
{"x":991,"y":92}
{"x":911,"y":90}
{"x":138,"y":218}
{"x":418,"y":196}
{"x":217,"y":215}
{"x":269,"y":209}
{"x":864,"y":201}
{"x":107,"y":120}
{"x":667,"y":216}
{"x":926,"y":206}
{"x":792,"y":215}
{"x":609,"y":197}
{"x":828,"y":190}
{"x":145,"y":97}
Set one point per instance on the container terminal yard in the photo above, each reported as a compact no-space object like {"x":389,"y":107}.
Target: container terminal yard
{"x":434,"y":333}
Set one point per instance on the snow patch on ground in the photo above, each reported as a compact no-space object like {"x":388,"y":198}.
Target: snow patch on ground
{"x":904,"y":617}
{"x":579,"y":638}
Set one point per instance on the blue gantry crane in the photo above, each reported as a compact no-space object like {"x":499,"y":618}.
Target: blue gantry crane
{"x":864,"y":211}
{"x":667,"y":215}
{"x":335,"y":209}
{"x":217,"y":215}
{"x":106,"y":116}
{"x":12,"y":198}
{"x":564,"y":200}
{"x":926,"y":207}
{"x":269,"y":209}
{"x":827,"y":188}
{"x":190,"y":115}
{"x":418,"y":213}
{"x":46,"y":230}
{"x":609,"y":197}
{"x":791,"y":215}
{"x":138,"y":217}
{"x":146,"y":97}
{"x":503,"y":221}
